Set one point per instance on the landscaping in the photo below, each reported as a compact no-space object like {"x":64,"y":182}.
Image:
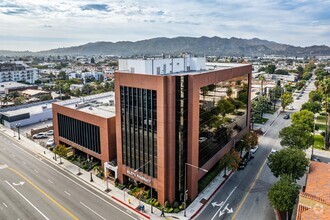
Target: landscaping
{"x":320,"y":127}
{"x":321,"y":119}
{"x":318,"y":141}
{"x":260,"y":120}
{"x":209,"y":176}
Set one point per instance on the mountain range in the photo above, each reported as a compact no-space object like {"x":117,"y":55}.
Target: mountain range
{"x":213,"y":46}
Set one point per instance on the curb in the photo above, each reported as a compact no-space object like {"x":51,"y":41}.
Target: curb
{"x":221,"y":184}
{"x":141,"y":213}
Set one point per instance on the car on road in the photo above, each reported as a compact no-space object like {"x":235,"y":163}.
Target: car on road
{"x":298,"y":98}
{"x":50,"y":142}
{"x":40,"y":135}
{"x":202,"y":139}
{"x":291,"y":108}
{"x":316,"y":159}
{"x":50,"y":132}
{"x":286,"y":116}
{"x":254,"y":149}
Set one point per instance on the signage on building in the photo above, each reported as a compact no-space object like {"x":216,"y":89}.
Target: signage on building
{"x":131,"y":173}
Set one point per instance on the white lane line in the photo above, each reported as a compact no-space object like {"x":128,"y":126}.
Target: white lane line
{"x":43,"y":215}
{"x":5,"y":205}
{"x":224,"y":202}
{"x":93,"y":211}
{"x":78,"y":184}
{"x":67,"y":193}
{"x":36,"y":171}
{"x":50,"y":181}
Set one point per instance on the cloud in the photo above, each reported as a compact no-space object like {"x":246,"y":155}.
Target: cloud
{"x":297,"y":22}
{"x":98,"y":7}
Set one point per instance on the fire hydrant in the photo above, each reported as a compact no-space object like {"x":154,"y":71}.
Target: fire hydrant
{"x":129,"y":201}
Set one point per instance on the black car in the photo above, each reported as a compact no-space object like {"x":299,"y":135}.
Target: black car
{"x":286,"y":116}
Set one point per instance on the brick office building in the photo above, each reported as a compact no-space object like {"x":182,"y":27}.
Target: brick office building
{"x":175,"y":111}
{"x":88,"y":126}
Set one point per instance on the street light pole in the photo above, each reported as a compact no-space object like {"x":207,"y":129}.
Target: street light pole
{"x":185,"y":184}
{"x":17,"y":126}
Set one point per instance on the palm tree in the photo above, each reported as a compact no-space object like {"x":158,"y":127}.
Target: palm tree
{"x":262,"y":78}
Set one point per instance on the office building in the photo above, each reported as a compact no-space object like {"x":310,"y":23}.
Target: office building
{"x":174,"y":115}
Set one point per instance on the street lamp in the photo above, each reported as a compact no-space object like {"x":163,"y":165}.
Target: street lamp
{"x":185,"y":183}
{"x":18,"y":125}
{"x":152,"y":172}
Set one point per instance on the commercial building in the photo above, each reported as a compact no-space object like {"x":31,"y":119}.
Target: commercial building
{"x":88,"y":126}
{"x":314,"y":200}
{"x":174,"y":115}
{"x":17,"y":71}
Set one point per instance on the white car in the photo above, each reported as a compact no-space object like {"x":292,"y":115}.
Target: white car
{"x":40,"y":135}
{"x":254,"y":149}
{"x":273,"y":151}
{"x":202,"y":139}
{"x":291,"y":108}
{"x":50,"y":142}
{"x":50,"y":132}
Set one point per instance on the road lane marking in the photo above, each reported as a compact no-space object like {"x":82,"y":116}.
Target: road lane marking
{"x":50,"y":181}
{"x":44,"y":193}
{"x":223,"y":203}
{"x":43,"y":215}
{"x":93,"y":211}
{"x":67,"y":193}
{"x":5,"y":205}
{"x":248,"y":192}
{"x":78,"y":184}
{"x":36,"y":171}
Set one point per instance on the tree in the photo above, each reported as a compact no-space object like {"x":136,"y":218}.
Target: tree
{"x":283,"y":194}
{"x":61,"y":151}
{"x":93,"y":60}
{"x":289,"y":161}
{"x":297,"y":136}
{"x":45,"y":97}
{"x":271,"y":69}
{"x":304,"y":117}
{"x":19,"y":100}
{"x":315,"y":96}
{"x":229,"y":91}
{"x":62,"y":75}
{"x":260,"y":105}
{"x":312,"y":106}
{"x":225,"y":107}
{"x":300,"y":71}
{"x":287,"y":99}
{"x":230,"y":160}
{"x":250,"y":140}
{"x":281,"y":72}
{"x":262,"y":79}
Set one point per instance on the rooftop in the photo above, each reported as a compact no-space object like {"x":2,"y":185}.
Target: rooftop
{"x":102,"y":105}
{"x":4,"y":85}
{"x":32,"y":110}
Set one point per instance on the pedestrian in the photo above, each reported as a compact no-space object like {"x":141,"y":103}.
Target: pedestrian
{"x":162,"y":215}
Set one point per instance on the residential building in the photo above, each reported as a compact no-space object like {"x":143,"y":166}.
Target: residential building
{"x":172,"y":119}
{"x":87,"y":125}
{"x":314,"y":199}
{"x":17,"y":71}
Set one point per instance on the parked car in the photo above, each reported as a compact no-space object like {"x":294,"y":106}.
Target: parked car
{"x":40,"y":135}
{"x":291,"y":108}
{"x":50,"y":142}
{"x":50,"y":132}
{"x":286,"y":116}
{"x":273,"y":151}
{"x":316,"y":159}
{"x":202,"y":139}
{"x":254,"y":149}
{"x":242,"y":164}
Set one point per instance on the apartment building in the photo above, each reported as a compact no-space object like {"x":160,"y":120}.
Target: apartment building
{"x":17,"y":71}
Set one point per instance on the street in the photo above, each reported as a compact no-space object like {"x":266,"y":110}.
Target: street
{"x":244,"y":195}
{"x":34,"y":188}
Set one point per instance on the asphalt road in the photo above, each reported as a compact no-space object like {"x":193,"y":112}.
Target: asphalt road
{"x":244,"y":195}
{"x":33,"y":188}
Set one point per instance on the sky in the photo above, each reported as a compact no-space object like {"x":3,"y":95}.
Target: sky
{"x":37,"y":25}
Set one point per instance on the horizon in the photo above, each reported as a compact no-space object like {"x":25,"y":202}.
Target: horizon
{"x":35,"y":25}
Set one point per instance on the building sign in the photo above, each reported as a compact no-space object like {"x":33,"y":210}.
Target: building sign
{"x":133,"y":174}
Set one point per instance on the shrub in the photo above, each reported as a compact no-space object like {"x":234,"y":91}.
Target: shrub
{"x":170,"y":210}
{"x":166,"y":204}
{"x":175,"y":204}
{"x":181,"y":207}
{"x":165,"y":209}
{"x":176,"y":210}
{"x":323,"y":133}
{"x":156,"y":204}
{"x":317,"y":127}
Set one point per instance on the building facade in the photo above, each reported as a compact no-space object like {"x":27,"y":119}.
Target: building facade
{"x":169,"y":122}
{"x":88,"y":126}
{"x":18,"y":71}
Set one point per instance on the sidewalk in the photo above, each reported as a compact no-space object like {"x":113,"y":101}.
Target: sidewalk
{"x":121,"y":196}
